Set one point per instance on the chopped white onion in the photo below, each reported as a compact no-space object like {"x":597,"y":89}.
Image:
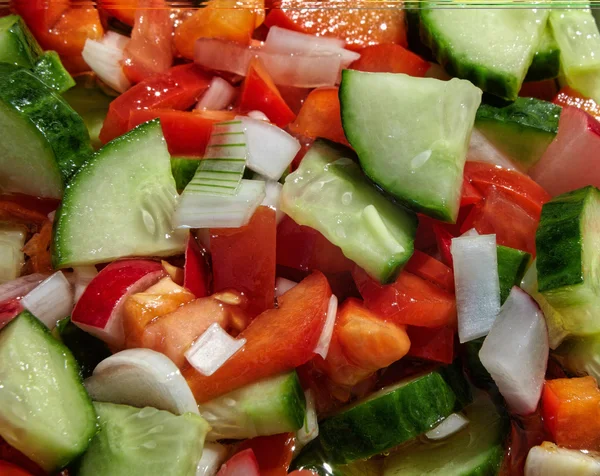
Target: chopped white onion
{"x":477,"y":284}
{"x":310,"y":429}
{"x":51,"y":215}
{"x":51,"y":300}
{"x":115,"y":40}
{"x":83,"y":276}
{"x":105,"y":57}
{"x":280,"y":40}
{"x":219,"y":95}
{"x":515,"y":352}
{"x":322,"y":347}
{"x":282,"y":286}
{"x":471,"y":232}
{"x":21,"y":286}
{"x":270,"y":149}
{"x":551,"y":460}
{"x":212,"y":349}
{"x":141,"y":378}
{"x":12,"y":240}
{"x":448,"y":427}
{"x":205,"y":211}
{"x":272,"y":198}
{"x":302,"y":71}
{"x":259,"y":115}
{"x":213,"y":456}
{"x":482,"y":150}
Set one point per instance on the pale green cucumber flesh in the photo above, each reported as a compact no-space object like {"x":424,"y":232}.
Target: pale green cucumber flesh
{"x":45,"y":411}
{"x":411,"y":135}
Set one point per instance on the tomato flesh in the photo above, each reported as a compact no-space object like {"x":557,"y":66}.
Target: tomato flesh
{"x":390,"y":58}
{"x":273,"y":453}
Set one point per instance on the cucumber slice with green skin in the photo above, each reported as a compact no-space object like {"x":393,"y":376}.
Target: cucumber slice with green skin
{"x":17,"y":44}
{"x":567,"y":243}
{"x":45,"y":411}
{"x":522,"y":130}
{"x":44,"y":142}
{"x":120,"y":203}
{"x":313,"y":458}
{"x":581,"y":356}
{"x":387,"y":418}
{"x":267,"y":407}
{"x":418,"y":156}
{"x":492,"y":48}
{"x":50,"y":70}
{"x":183,"y":170}
{"x":476,"y":450}
{"x":577,"y":36}
{"x":546,"y":60}
{"x":141,"y":442}
{"x":512,"y":265}
{"x":329,"y":193}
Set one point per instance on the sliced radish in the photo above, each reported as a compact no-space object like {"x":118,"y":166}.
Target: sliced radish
{"x":322,"y":347}
{"x":19,"y":287}
{"x":99,"y":309}
{"x":283,"y":285}
{"x":219,"y":95}
{"x":141,"y":378}
{"x":449,"y":426}
{"x":213,"y":456}
{"x":105,"y":58}
{"x":515,"y":352}
{"x":241,"y":464}
{"x":51,"y":300}
{"x":212,"y":349}
{"x":83,"y":276}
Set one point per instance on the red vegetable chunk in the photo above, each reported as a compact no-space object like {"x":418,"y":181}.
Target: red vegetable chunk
{"x":390,"y":58}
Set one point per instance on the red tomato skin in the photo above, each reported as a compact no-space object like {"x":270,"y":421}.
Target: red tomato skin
{"x":443,"y":239}
{"x":9,"y":469}
{"x":241,"y":464}
{"x":244,"y":259}
{"x":122,"y":10}
{"x":273,"y":453}
{"x":427,"y":267}
{"x":196,"y":271}
{"x":179,"y":88}
{"x":276,"y":341}
{"x":390,"y":58}
{"x":436,"y":344}
{"x":544,"y":90}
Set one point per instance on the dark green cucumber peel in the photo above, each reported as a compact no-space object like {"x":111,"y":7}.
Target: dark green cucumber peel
{"x":183,"y":170}
{"x":17,"y":44}
{"x":50,"y":70}
{"x":546,"y":61}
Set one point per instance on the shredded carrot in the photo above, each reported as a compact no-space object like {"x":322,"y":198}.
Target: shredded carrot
{"x":38,"y":249}
{"x":14,"y":212}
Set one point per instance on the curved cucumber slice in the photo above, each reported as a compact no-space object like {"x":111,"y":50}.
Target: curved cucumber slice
{"x":45,"y":411}
{"x":522,"y":130}
{"x":328,"y":192}
{"x":50,"y":70}
{"x":546,"y":61}
{"x":568,"y":243}
{"x":493,"y":48}
{"x":17,"y":44}
{"x":475,"y":450}
{"x":44,"y":141}
{"x":142,"y":442}
{"x":411,"y":135}
{"x":120,"y":203}
{"x":387,"y":418}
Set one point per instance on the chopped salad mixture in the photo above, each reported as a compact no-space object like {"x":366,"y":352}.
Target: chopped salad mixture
{"x":257,"y":238}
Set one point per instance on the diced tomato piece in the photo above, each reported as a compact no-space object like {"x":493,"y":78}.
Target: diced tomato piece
{"x":390,"y":58}
{"x":359,"y":26}
{"x":122,"y":10}
{"x":40,"y":15}
{"x":526,"y":432}
{"x":544,"y":90}
{"x":259,"y":93}
{"x":244,"y":259}
{"x":301,"y":247}
{"x":571,"y":410}
{"x":9,"y":454}
{"x":427,"y":267}
{"x":273,"y":453}
{"x":443,"y":239}
{"x":187,"y":132}
{"x":150,"y":50}
{"x":276,"y":341}
{"x":9,"y":469}
{"x":320,"y":116}
{"x":179,"y":88}
{"x":470,"y":195}
{"x":435,"y":344}
{"x":569,"y":97}
{"x":410,"y":300}
{"x":361,"y":344}
{"x":231,"y":20}
{"x":196,"y":271}
{"x":241,"y":464}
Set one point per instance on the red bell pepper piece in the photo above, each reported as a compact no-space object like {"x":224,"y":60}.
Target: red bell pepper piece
{"x":390,"y":58}
{"x":9,"y":469}
{"x":544,"y":90}
{"x":443,"y":239}
{"x":427,"y":267}
{"x":470,"y":195}
{"x":259,"y":93}
{"x":276,"y":341}
{"x":320,"y":116}
{"x":569,"y":97}
{"x":273,"y":453}
{"x":187,"y":133}
{"x":241,"y":464}
{"x":10,"y":455}
{"x":196,"y":271}
{"x":244,"y":259}
{"x":435,"y":344}
{"x":179,"y":88}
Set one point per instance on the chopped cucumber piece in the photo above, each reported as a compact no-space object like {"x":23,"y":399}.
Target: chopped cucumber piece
{"x":568,"y":243}
{"x":268,"y":407}
{"x":522,"y":131}
{"x":17,"y":44}
{"x":53,"y":74}
{"x":143,"y":442}
{"x":492,"y":48}
{"x":546,"y":61}
{"x":44,"y":141}
{"x":577,"y":36}
{"x":45,"y":411}
{"x":475,"y":450}
{"x":512,"y":264}
{"x":329,"y":193}
{"x":183,"y":170}
{"x":387,"y":418}
{"x":417,"y":157}
{"x":120,"y":203}
{"x":581,"y":356}
{"x":12,"y":240}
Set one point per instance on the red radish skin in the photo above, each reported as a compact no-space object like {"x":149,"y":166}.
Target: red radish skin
{"x":241,"y":464}
{"x":99,"y":311}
